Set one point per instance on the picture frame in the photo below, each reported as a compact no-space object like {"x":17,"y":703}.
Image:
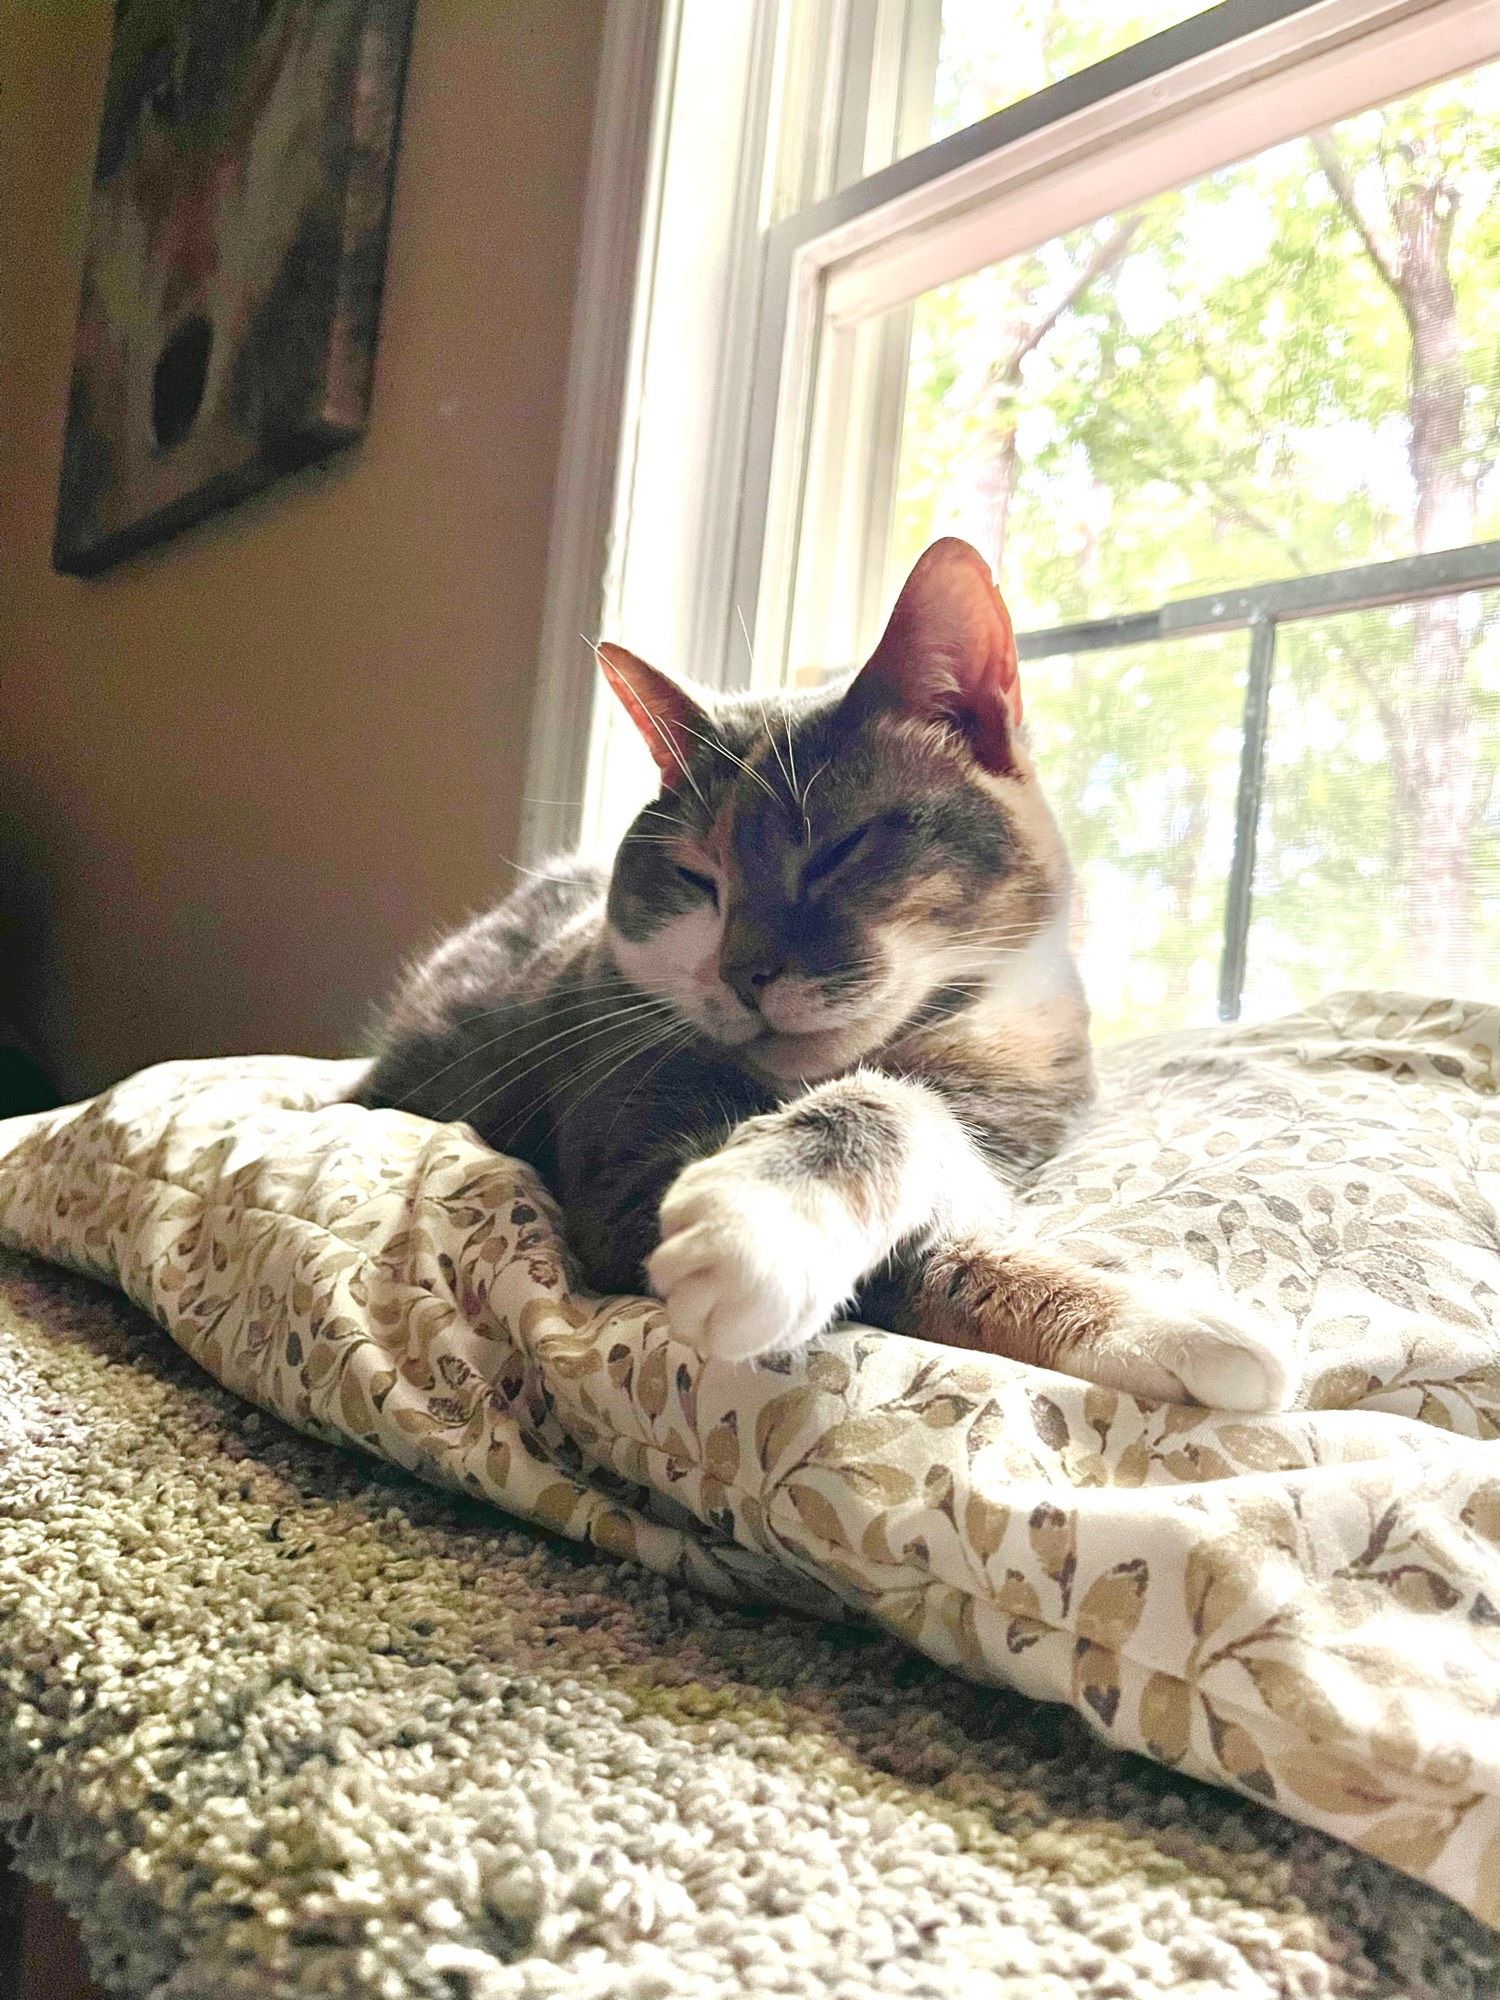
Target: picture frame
{"x":231,"y":285}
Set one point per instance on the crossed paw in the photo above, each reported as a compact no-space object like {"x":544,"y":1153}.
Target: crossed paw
{"x":748,"y":1264}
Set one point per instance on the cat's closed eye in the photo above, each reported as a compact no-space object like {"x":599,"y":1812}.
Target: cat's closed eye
{"x":833,"y":856}
{"x":704,"y":884}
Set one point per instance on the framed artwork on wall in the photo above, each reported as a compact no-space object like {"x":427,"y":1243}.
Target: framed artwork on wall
{"x":235,"y":250}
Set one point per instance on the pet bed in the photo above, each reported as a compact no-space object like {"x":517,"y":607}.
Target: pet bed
{"x":1304,"y":1607}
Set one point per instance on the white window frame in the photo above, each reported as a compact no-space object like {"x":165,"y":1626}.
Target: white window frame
{"x":710,"y":417}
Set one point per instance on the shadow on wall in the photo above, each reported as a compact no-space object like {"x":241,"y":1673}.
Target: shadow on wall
{"x":37,"y":1063}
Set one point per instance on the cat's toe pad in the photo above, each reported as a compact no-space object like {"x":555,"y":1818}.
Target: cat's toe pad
{"x":747,"y":1267}
{"x":1223,"y":1354}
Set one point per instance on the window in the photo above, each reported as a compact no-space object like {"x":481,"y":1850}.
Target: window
{"x":991,"y":56}
{"x":1190,"y":320}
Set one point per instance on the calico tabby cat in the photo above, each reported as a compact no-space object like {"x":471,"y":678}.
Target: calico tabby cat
{"x":792,"y":1054}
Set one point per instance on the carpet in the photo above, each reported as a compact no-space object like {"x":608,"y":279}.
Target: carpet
{"x":278,"y":1720}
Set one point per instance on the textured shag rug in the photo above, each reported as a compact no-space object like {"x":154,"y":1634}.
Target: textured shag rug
{"x":275,"y":1720}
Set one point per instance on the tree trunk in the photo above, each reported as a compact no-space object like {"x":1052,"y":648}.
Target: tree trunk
{"x":1182,"y":865}
{"x":1442,"y":749}
{"x":997,"y":488}
{"x":1429,"y":720}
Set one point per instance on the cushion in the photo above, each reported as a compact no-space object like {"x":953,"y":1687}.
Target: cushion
{"x":1305,"y":1607}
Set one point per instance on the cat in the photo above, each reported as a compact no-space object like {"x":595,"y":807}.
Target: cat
{"x":792,"y":1054}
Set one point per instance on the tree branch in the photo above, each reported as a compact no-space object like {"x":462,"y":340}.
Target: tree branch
{"x":1241,"y":509}
{"x":1196,"y":479}
{"x":1105,"y":257}
{"x":1254,"y":418}
{"x":1370,"y":232}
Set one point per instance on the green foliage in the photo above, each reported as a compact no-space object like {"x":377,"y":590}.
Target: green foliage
{"x":1220,"y":390}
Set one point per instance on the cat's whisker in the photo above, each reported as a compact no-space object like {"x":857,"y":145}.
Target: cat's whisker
{"x":676,"y":1034}
{"x":765,"y":717}
{"x":466,"y":1106}
{"x":586,"y":995}
{"x":518,"y":1120}
{"x":1006,"y":931}
{"x":614,"y":1001}
{"x":766,"y":725}
{"x":578,"y":1034}
{"x":807,"y":788}
{"x":1018,"y":941}
{"x":844,"y":974}
{"x":611,"y":1060}
{"x":791,"y":755}
{"x":546,"y":1094}
{"x":745,"y":629}
{"x":538,"y":874}
{"x":679,"y":1033}
{"x":730,"y":757}
{"x":987,"y":954}
{"x":674,"y":1045}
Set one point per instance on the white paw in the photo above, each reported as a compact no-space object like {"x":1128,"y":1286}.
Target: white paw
{"x":1216,"y":1351}
{"x":746,"y":1265}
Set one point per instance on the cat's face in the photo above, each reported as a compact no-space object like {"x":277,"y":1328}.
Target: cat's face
{"x":823,"y":872}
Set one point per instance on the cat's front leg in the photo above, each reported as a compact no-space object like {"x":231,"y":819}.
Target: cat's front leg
{"x":1172,"y":1342}
{"x":763,"y":1242}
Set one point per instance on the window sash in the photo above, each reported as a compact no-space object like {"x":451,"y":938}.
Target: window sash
{"x":1217,"y":88}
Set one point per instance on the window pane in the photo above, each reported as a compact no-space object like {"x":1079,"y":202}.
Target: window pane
{"x":1223,"y":385}
{"x":1378,"y":858}
{"x":1288,"y":368}
{"x":991,"y":55}
{"x":1138,"y":750}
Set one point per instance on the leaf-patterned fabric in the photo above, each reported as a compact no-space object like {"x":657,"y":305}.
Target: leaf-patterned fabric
{"x":1305,"y":1607}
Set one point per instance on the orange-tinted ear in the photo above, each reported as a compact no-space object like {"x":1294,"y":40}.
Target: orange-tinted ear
{"x":665,"y":714}
{"x":948,"y":655}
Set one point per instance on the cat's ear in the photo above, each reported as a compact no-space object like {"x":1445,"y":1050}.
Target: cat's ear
{"x":948,"y":655}
{"x":666,"y":715}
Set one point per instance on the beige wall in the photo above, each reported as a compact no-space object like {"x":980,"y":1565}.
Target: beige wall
{"x":252,"y":769}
